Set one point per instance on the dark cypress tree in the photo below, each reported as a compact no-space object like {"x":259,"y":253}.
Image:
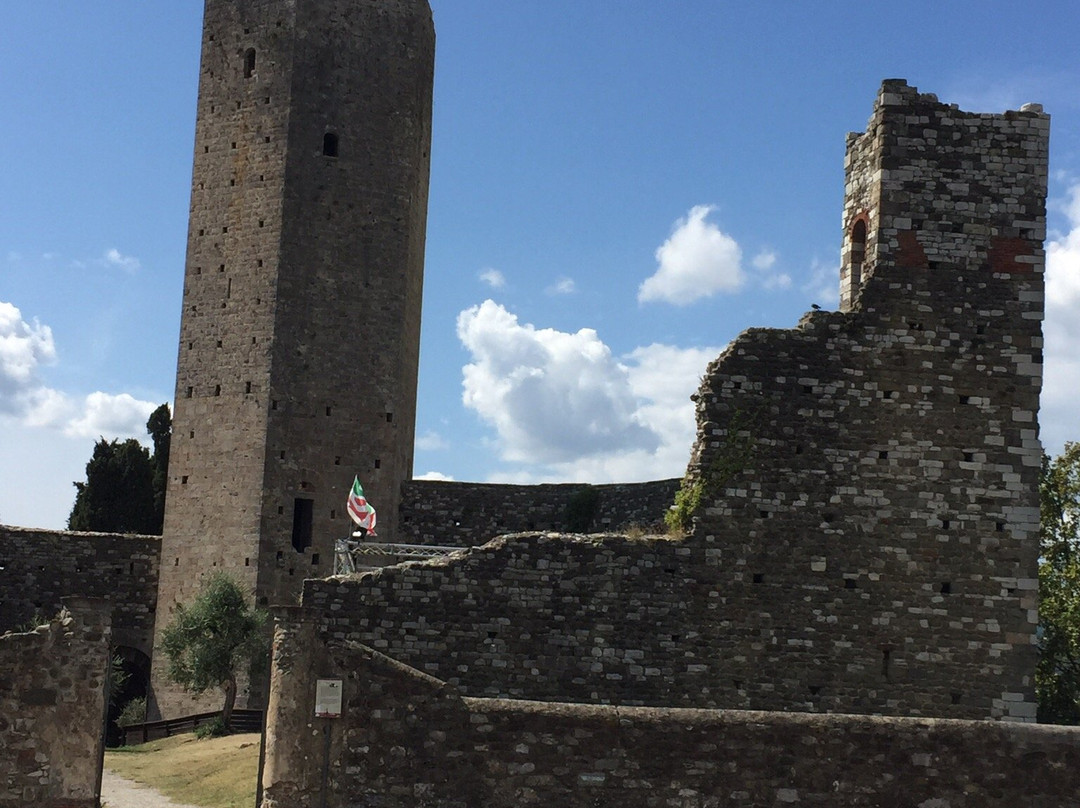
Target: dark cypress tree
{"x":159,"y":426}
{"x":118,"y":495}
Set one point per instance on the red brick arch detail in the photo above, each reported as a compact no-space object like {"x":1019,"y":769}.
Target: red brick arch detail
{"x":864,"y":217}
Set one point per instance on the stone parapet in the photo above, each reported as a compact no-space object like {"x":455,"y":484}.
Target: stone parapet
{"x":461,"y":514}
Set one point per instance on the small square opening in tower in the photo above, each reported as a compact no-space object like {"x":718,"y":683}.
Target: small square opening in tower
{"x":330,"y":145}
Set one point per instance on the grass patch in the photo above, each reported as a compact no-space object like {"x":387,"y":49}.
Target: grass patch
{"x":216,"y":773}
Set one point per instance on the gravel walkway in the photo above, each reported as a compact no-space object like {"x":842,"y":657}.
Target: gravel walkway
{"x":116,"y":792}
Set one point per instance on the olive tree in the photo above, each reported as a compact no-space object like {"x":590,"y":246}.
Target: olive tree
{"x":210,"y":641}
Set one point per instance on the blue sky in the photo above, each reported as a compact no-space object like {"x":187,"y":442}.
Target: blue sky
{"x":581,"y":148}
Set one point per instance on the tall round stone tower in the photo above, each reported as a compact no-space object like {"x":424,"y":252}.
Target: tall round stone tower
{"x":299,"y":339}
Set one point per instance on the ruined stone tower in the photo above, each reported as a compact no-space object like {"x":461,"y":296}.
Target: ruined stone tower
{"x":886,"y":499}
{"x":300,"y":331}
{"x":930,"y":186}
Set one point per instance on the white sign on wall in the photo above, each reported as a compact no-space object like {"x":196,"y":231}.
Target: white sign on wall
{"x":328,"y":698}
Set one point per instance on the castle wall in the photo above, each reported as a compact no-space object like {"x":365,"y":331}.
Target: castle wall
{"x":457,"y":514}
{"x":52,"y":710}
{"x":38,"y":568}
{"x":660,"y":622}
{"x":406,"y":739}
{"x":862,"y":494}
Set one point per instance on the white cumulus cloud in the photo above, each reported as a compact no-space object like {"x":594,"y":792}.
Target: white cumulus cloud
{"x":1061,"y":331}
{"x":697,"y":260}
{"x":493,"y":278}
{"x":550,"y":395}
{"x":564,"y":408}
{"x":24,"y":346}
{"x":435,"y":475}
{"x":111,"y":416}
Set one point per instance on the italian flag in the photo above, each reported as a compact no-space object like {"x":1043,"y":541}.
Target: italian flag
{"x":360,"y":510}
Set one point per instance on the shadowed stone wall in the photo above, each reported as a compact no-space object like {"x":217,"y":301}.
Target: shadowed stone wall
{"x":52,"y":710}
{"x":38,"y":568}
{"x":408,"y":739}
{"x":459,"y":514}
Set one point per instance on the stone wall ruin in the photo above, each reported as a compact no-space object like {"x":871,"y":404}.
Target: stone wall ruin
{"x":409,"y":739}
{"x":462,"y":514}
{"x":52,"y":709}
{"x":862,"y":517}
{"x":862,"y":492}
{"x":39,"y":568}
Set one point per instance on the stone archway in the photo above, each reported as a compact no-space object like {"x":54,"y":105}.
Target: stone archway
{"x":131,"y":680}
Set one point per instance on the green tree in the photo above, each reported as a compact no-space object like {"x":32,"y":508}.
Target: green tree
{"x":124,"y":490}
{"x":212,"y":640}
{"x":1057,"y":679}
{"x":118,"y":495}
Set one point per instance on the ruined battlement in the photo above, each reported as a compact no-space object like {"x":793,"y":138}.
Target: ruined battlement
{"x":930,"y":185}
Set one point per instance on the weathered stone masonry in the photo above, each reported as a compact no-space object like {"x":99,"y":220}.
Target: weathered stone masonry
{"x":408,"y":739}
{"x":52,"y":707}
{"x":889,"y":501}
{"x":300,"y":330}
{"x":460,"y":514}
{"x":38,"y":568}
{"x":865,"y":526}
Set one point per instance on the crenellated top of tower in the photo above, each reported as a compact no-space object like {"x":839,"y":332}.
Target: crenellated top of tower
{"x":931,"y":183}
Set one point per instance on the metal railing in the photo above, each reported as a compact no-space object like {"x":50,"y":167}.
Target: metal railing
{"x":349,"y":553}
{"x":404,"y":550}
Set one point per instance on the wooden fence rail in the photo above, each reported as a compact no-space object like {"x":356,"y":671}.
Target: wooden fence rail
{"x":242,"y":721}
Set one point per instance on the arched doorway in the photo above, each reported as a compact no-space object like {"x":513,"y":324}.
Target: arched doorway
{"x":129,"y":681}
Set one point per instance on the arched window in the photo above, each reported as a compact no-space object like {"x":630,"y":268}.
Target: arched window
{"x":249,"y":63}
{"x":858,"y":252}
{"x":330,"y":144}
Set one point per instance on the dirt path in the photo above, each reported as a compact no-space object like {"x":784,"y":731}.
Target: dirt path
{"x":116,"y":792}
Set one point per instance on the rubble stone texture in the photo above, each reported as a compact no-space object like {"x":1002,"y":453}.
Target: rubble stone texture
{"x":52,"y":708}
{"x":458,"y":514}
{"x":865,"y":534}
{"x":863,"y":505}
{"x":407,"y":739}
{"x":39,"y":568}
{"x":301,"y":312}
